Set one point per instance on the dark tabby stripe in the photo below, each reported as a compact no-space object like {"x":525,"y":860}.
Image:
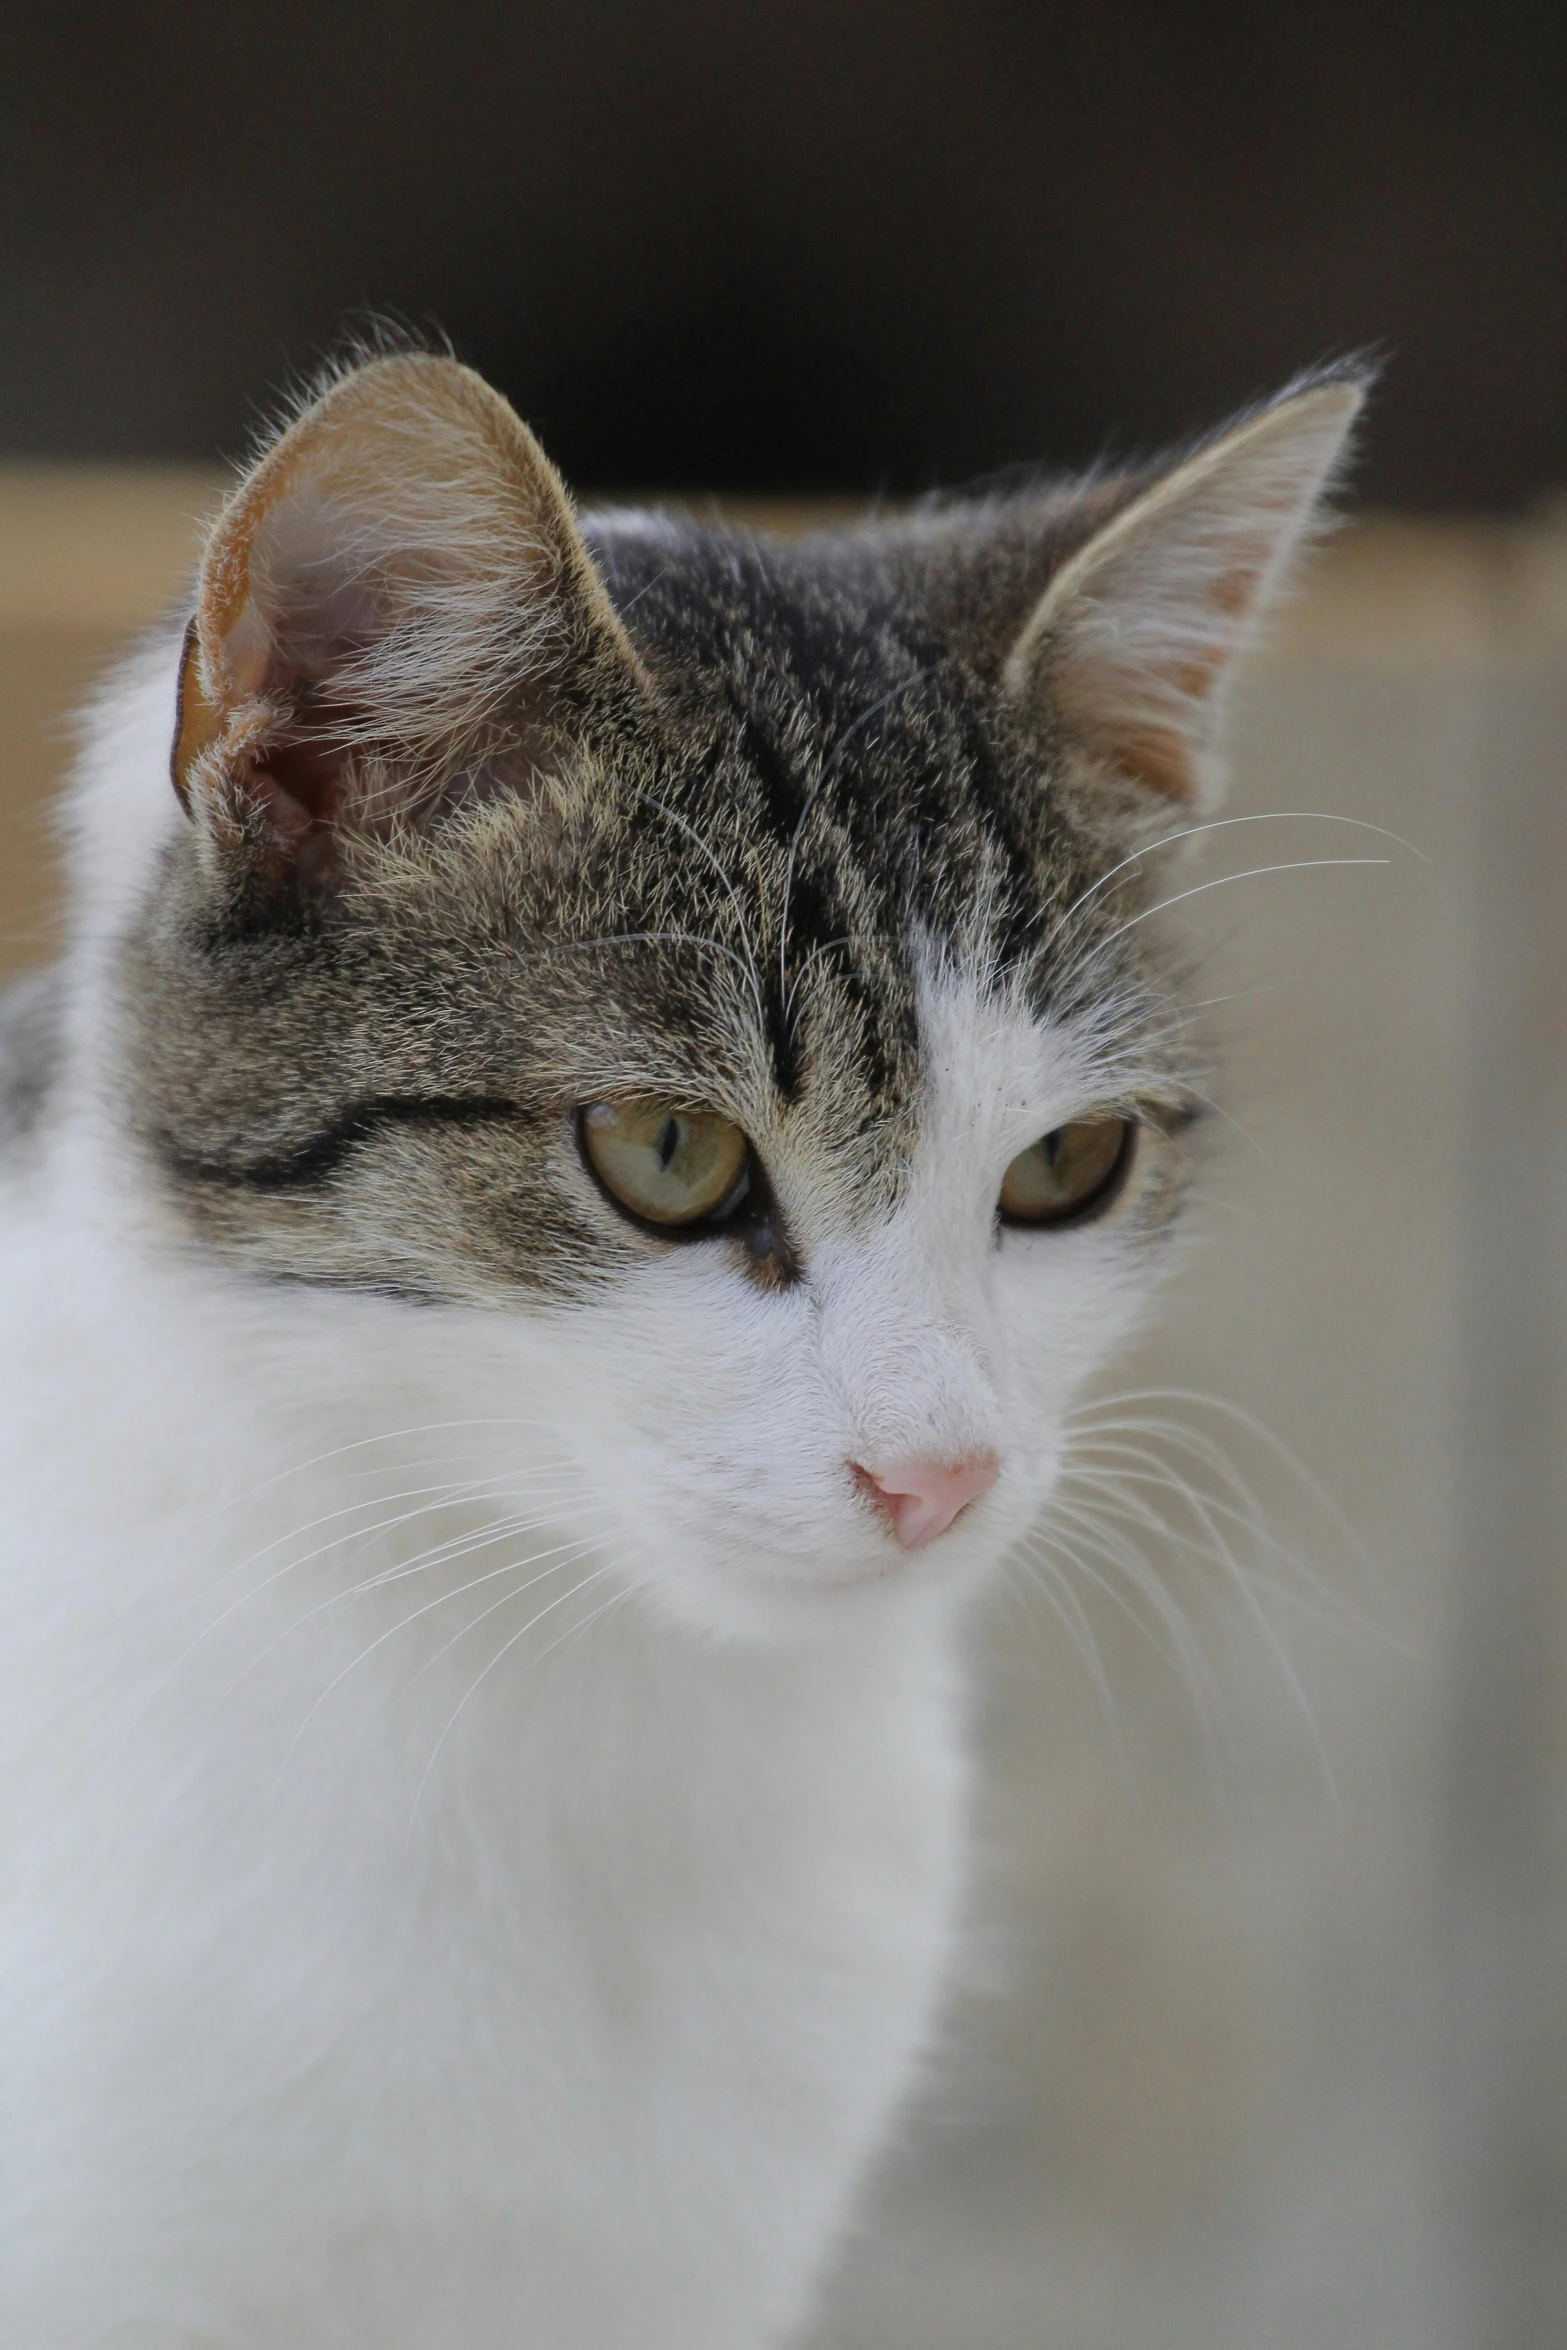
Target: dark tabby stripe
{"x":312,"y":1161}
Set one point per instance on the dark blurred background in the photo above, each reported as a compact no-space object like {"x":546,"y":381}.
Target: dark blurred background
{"x":791,"y":246}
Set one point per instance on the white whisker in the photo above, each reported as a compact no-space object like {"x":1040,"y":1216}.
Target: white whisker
{"x":462,"y":1545}
{"x":339,"y":1452}
{"x":1224,"y":1408}
{"x":1113,"y":1466}
{"x":1144,"y":1581}
{"x":633,"y":938}
{"x":609,"y":1567}
{"x":450,"y":1496}
{"x":1050,"y":1582}
{"x":474,"y":1621}
{"x":562,"y":1553}
{"x":674,"y":817}
{"x":1224,"y":880}
{"x":1224,"y":824}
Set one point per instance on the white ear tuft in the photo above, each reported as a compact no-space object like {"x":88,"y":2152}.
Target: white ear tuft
{"x":1135,"y":640}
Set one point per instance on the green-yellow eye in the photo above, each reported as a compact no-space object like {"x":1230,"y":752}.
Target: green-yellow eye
{"x":666,"y":1165}
{"x":1069,"y":1174}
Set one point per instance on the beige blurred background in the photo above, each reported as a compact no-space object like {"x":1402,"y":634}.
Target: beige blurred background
{"x":1262,"y":2042}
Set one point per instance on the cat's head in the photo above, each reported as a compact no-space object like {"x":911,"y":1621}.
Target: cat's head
{"x":689,"y":995}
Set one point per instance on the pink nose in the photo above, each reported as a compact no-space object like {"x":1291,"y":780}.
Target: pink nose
{"x":921,"y":1498}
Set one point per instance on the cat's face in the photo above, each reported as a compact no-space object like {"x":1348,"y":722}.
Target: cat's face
{"x":744,"y":1419}
{"x":704,"y":985}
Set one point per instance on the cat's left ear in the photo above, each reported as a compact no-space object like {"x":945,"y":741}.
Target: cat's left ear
{"x":1134,"y":643}
{"x":395,"y":611}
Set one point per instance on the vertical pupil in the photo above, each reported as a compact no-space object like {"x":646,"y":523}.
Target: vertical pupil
{"x":1052,"y":1147}
{"x":668,"y":1143}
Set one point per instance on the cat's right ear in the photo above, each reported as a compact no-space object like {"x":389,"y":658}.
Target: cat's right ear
{"x":395,"y":611}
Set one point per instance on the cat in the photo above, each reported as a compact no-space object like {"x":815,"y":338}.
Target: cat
{"x":611,"y":1083}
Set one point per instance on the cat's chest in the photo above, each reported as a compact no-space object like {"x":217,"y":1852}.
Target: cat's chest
{"x":664,"y":1952}
{"x":647,"y":1851}
{"x":728,"y":1895}
{"x":661,"y":1841}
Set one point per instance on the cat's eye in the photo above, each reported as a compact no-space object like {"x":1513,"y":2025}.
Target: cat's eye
{"x":667,"y":1165}
{"x":1070,"y":1173}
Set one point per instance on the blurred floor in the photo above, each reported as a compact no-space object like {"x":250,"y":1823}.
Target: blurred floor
{"x":1198,"y":2093}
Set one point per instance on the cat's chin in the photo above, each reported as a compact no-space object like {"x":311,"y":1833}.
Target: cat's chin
{"x":779,"y":1601}
{"x":760,"y":1583}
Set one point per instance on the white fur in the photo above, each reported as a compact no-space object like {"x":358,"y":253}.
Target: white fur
{"x":369,"y":1982}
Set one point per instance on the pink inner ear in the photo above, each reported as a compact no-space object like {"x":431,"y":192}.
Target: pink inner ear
{"x":401,"y":575}
{"x":316,"y":585}
{"x":298,"y":787}
{"x":304,"y":776}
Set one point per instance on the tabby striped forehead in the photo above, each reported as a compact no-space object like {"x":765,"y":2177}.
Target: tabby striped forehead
{"x":851,"y":786}
{"x":733,"y":911}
